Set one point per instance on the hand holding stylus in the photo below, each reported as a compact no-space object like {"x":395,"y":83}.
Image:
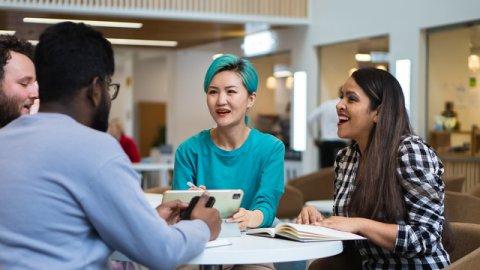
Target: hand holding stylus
{"x":193,"y":187}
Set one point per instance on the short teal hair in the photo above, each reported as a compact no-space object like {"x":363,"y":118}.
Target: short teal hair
{"x":230,"y":62}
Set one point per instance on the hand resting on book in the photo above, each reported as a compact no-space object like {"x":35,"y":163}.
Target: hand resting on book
{"x":304,"y":233}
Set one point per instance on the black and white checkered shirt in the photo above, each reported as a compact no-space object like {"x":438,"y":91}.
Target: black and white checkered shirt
{"x":418,"y":244}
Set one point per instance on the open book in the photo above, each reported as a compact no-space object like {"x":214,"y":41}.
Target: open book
{"x":304,"y":233}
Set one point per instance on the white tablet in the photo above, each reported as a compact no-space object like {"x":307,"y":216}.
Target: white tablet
{"x":227,"y":201}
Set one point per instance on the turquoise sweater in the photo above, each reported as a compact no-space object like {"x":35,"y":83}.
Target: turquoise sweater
{"x":256,"y":167}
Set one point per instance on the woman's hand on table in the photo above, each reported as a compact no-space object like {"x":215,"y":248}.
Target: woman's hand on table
{"x":344,"y":224}
{"x":309,"y":215}
{"x":246,"y":218}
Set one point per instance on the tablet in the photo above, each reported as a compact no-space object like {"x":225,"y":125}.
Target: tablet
{"x":227,"y":201}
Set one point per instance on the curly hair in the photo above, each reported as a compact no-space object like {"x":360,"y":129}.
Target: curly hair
{"x":10,"y":43}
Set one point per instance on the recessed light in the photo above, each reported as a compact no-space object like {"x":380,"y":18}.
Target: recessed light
{"x":92,"y":23}
{"x":363,"y":57}
{"x":143,"y":42}
{"x":134,"y":42}
{"x":7,"y":32}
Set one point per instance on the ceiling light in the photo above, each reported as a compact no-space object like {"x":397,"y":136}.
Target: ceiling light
{"x":134,"y":42}
{"x":282,"y":74}
{"x":7,"y":32}
{"x":271,"y":82}
{"x":382,"y":67}
{"x":363,"y":57}
{"x":281,"y":71}
{"x":473,"y":62}
{"x":379,"y":57}
{"x":215,"y":56}
{"x":92,"y":23}
{"x":259,"y":43}
{"x":143,"y":42}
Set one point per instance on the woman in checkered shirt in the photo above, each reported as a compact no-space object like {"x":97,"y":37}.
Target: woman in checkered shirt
{"x":388,"y":182}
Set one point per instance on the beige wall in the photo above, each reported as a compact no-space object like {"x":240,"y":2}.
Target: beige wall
{"x":448,"y":77}
{"x":335,"y":62}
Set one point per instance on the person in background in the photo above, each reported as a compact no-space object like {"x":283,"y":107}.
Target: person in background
{"x":233,"y":155}
{"x":329,"y":143}
{"x":18,"y":83}
{"x":450,"y":118}
{"x":71,"y":192}
{"x":115,"y":129}
{"x":388,"y":182}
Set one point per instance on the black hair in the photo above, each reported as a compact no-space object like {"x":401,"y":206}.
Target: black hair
{"x":68,"y":57}
{"x":10,"y":43}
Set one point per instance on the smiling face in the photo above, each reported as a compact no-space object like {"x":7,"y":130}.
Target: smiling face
{"x":228,"y":100}
{"x":18,"y":88}
{"x":356,"y":119}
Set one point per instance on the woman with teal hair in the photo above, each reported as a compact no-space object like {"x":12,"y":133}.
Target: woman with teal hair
{"x":243,"y":68}
{"x":233,"y":155}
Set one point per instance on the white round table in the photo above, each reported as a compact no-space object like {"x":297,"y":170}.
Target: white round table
{"x":249,"y":249}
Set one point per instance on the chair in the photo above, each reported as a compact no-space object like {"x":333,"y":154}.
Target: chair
{"x":454,"y":182}
{"x":475,"y":142}
{"x":466,"y":254}
{"x":475,"y":191}
{"x":291,"y":203}
{"x":462,"y":207}
{"x":315,"y":186}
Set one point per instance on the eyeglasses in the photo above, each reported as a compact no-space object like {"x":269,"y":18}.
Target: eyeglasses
{"x":113,"y":89}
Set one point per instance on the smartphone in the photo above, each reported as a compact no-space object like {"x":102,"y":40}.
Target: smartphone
{"x":187,"y":213}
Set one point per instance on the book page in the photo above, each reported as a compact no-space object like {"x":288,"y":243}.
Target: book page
{"x":302,"y":231}
{"x":270,"y":232}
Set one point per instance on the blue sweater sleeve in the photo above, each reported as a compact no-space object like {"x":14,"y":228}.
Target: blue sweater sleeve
{"x":271,"y":185}
{"x":121,"y":215}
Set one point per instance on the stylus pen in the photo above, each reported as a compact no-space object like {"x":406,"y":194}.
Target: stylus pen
{"x":191,"y":185}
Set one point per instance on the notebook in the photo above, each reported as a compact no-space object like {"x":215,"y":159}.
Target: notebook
{"x":304,"y":233}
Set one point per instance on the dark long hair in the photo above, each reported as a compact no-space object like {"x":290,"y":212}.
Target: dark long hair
{"x":378,"y":193}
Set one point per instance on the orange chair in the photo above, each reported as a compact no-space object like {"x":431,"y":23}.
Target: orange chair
{"x":454,"y":182}
{"x":475,"y":191}
{"x":462,"y":207}
{"x":315,"y":186}
{"x":291,"y":203}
